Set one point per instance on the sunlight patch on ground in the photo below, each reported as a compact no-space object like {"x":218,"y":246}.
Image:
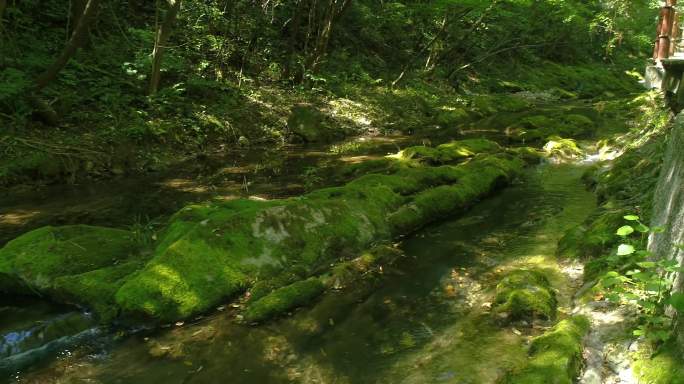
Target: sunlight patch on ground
{"x":18,"y":217}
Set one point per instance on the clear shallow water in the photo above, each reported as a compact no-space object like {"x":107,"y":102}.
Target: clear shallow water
{"x":425,"y":322}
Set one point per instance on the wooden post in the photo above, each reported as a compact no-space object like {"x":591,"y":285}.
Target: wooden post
{"x":659,"y":27}
{"x":665,"y":33}
{"x":674,"y":39}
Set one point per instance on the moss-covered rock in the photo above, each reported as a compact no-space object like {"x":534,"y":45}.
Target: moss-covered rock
{"x":258,"y":239}
{"x":216,"y":250}
{"x":307,"y":123}
{"x":284,"y":299}
{"x":525,"y":295}
{"x":449,"y":152}
{"x":540,"y":127}
{"x":560,"y":148}
{"x":664,"y":366}
{"x":556,"y":356}
{"x":36,"y":259}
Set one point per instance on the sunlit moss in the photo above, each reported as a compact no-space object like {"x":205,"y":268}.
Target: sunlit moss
{"x":556,"y":356}
{"x":284,"y":299}
{"x":525,"y":294}
{"x":663,"y":366}
{"x":37,"y":258}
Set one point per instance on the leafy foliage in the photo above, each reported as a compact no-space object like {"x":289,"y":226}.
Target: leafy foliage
{"x":644,"y":281}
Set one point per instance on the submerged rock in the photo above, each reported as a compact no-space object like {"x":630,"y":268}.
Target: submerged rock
{"x":213,"y":251}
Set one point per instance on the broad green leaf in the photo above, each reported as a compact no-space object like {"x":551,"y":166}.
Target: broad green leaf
{"x":647,"y":264}
{"x":625,"y":249}
{"x":677,"y":301}
{"x":625,"y":231}
{"x":642,"y":228}
{"x":631,"y":218}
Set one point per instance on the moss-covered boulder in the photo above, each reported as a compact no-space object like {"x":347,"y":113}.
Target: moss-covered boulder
{"x":213,"y":251}
{"x":36,"y":260}
{"x":562,"y":149}
{"x":449,"y":152}
{"x":556,"y":356}
{"x":525,"y":294}
{"x":307,"y":123}
{"x":540,"y":127}
{"x":284,"y":299}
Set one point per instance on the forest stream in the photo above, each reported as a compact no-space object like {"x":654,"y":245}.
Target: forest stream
{"x":427,"y":320}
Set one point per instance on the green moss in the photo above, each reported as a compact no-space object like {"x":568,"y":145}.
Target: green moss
{"x":213,"y":251}
{"x":528,"y":154}
{"x":490,"y":104}
{"x":525,"y":295}
{"x":347,"y":272}
{"x":96,"y":289}
{"x":559,"y":147}
{"x":541,"y":127}
{"x":449,"y":117}
{"x":449,"y":152}
{"x":556,"y":356}
{"x":480,"y":178}
{"x":37,"y":258}
{"x":665,"y":366}
{"x":284,"y":299}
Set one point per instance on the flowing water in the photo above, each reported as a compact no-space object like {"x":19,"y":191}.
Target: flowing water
{"x":426,"y":321}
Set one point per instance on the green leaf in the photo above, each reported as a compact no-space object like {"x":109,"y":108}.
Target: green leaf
{"x":647,"y":264}
{"x":625,"y":231}
{"x":631,"y":218}
{"x":677,"y":301}
{"x":642,"y":228}
{"x":625,"y":249}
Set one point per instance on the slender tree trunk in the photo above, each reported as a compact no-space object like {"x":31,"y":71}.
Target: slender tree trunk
{"x":42,"y":108}
{"x":295,"y":28}
{"x":3,"y":5}
{"x":163,"y":33}
{"x":71,"y":47}
{"x":335,"y":10}
{"x":77,"y":10}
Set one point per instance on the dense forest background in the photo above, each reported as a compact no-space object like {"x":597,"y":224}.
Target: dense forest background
{"x":110,"y":87}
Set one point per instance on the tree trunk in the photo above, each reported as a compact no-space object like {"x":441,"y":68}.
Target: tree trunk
{"x":3,"y":5}
{"x":163,"y":33}
{"x":335,"y":9}
{"x":71,"y":47}
{"x":77,"y":10}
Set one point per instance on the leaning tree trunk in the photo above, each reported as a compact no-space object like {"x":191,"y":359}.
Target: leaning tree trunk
{"x":163,"y":33}
{"x":71,"y":47}
{"x":50,"y":74}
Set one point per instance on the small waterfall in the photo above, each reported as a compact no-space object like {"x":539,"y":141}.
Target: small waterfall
{"x":669,"y":207}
